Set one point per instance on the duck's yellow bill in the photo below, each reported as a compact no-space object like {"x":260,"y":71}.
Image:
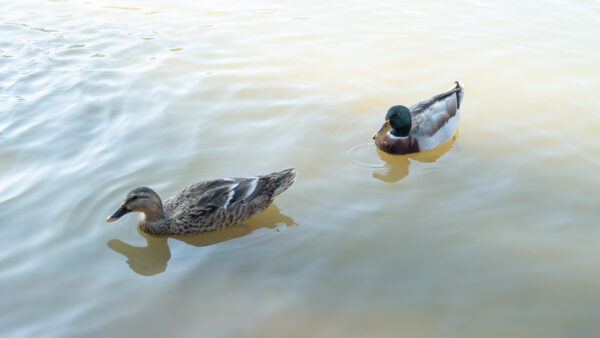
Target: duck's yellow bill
{"x":384,"y":129}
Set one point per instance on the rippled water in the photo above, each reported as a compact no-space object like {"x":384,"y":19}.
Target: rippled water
{"x":493,"y":235}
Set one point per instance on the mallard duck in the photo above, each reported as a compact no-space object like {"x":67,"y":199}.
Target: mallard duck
{"x":426,"y":125}
{"x":205,"y":206}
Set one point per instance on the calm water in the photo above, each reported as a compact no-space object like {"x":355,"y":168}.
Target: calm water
{"x":494,"y":235}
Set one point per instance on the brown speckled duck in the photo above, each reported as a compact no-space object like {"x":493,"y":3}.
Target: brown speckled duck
{"x":427,"y":124}
{"x":205,"y":206}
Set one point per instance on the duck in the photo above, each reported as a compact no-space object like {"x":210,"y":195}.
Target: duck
{"x":428,"y":123}
{"x":205,"y":206}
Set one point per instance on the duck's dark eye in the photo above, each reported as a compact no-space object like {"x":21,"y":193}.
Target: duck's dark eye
{"x":132,"y":198}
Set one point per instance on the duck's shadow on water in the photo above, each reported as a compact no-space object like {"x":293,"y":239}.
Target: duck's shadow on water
{"x":152,"y":258}
{"x":396,"y":166}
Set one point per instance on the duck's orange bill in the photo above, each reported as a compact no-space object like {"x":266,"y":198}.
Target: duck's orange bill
{"x":120,"y":212}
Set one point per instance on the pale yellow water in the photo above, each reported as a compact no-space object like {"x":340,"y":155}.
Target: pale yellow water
{"x":494,"y":235}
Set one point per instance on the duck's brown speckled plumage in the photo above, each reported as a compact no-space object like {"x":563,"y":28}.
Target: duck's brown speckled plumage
{"x":211,"y":205}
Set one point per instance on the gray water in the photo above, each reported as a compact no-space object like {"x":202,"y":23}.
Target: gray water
{"x":493,"y":235}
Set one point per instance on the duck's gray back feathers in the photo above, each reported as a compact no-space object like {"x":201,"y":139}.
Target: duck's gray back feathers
{"x":435,"y":119}
{"x":431,"y":114}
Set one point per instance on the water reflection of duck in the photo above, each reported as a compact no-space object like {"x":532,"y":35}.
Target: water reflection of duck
{"x":397,"y":166}
{"x":146,"y":260}
{"x":205,"y":206}
{"x":152,"y":258}
{"x":426,"y":125}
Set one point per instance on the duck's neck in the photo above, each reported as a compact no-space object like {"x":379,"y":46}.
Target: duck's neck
{"x":402,"y":131}
{"x":153,"y":221}
{"x":152,"y":211}
{"x":154,"y":215}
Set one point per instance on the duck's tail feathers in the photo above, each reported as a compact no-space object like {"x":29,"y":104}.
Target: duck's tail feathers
{"x":460,"y":93}
{"x":283,"y":179}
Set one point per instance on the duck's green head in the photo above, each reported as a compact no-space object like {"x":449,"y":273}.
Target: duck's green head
{"x":398,"y":118}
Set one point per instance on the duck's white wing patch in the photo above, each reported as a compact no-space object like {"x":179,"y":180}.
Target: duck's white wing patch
{"x":245,"y":189}
{"x":230,"y":195}
{"x":251,"y":186}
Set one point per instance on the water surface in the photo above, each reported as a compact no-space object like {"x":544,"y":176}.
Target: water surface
{"x":492,"y":235}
